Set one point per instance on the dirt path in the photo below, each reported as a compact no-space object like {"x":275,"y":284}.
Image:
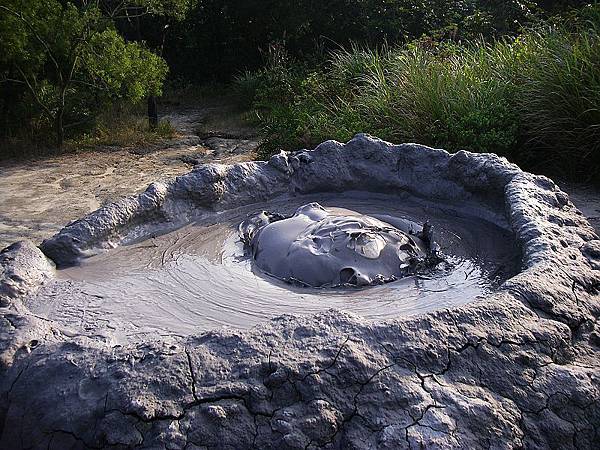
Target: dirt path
{"x":39,"y":197}
{"x":587,"y":199}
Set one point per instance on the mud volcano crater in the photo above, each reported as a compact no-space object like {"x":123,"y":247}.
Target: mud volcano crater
{"x":112,"y":331}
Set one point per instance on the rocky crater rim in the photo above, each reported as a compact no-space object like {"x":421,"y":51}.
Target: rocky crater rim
{"x":364,"y":164}
{"x":526,"y":358}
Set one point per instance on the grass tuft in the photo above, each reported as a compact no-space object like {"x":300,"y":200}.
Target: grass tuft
{"x":123,"y":127}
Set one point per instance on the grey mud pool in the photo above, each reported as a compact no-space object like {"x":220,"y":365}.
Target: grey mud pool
{"x":201,"y":276}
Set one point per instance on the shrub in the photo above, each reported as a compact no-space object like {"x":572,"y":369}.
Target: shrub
{"x":246,"y":86}
{"x":534,"y":99}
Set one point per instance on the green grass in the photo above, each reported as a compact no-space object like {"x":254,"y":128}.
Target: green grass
{"x":123,"y":127}
{"x":534,"y":99}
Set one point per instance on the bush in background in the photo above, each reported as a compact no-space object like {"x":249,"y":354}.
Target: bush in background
{"x":534,"y":98}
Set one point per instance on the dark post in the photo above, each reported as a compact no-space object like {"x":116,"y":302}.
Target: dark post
{"x":152,"y":107}
{"x":152,"y":112}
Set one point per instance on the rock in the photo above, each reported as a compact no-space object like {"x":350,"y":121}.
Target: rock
{"x":23,"y":267}
{"x":221,"y":146}
{"x":518,"y":368}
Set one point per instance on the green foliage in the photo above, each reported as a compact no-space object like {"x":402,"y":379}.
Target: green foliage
{"x":459,"y":83}
{"x":67,"y":61}
{"x":222,"y":38}
{"x":532,"y":98}
{"x":123,"y":70}
{"x":176,"y":9}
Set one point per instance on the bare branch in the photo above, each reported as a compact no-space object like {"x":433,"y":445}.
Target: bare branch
{"x":34,"y":93}
{"x":12,"y":80}
{"x":92,"y":85}
{"x":141,"y":12}
{"x":131,"y":16}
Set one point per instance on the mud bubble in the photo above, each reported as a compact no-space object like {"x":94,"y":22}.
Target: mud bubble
{"x":318,"y":247}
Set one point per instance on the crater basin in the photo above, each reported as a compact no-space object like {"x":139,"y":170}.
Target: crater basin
{"x":496,"y":330}
{"x":200,"y":276}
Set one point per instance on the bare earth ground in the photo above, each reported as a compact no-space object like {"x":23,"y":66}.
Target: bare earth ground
{"x":39,"y":197}
{"x":587,"y":199}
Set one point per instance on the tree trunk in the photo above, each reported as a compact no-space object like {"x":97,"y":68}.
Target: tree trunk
{"x":152,"y":107}
{"x":9,"y":99}
{"x":60,"y":130}
{"x":152,"y":113}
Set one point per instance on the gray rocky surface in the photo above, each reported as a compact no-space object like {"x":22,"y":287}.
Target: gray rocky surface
{"x":519,"y":368}
{"x":587,"y":199}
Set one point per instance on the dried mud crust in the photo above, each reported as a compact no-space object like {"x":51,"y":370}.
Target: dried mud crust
{"x":520,"y":368}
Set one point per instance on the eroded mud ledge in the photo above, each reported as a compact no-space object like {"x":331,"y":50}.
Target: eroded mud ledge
{"x":519,"y":368}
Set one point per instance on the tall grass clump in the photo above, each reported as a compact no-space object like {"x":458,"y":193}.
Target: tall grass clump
{"x":559,"y":99}
{"x":452,"y":99}
{"x":534,"y":99}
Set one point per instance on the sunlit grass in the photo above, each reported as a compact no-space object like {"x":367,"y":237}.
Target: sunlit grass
{"x":122,"y":127}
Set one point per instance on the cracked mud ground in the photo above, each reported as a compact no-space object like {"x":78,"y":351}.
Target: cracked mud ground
{"x":39,"y":197}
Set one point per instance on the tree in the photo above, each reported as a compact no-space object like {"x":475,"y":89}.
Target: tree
{"x":161,"y":14}
{"x":69,"y":58}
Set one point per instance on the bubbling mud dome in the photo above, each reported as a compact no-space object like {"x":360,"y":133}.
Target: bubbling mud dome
{"x":318,"y":247}
{"x":302,"y":259}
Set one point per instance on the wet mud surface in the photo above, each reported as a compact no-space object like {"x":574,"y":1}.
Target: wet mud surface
{"x":334,"y":247}
{"x":200,"y":276}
